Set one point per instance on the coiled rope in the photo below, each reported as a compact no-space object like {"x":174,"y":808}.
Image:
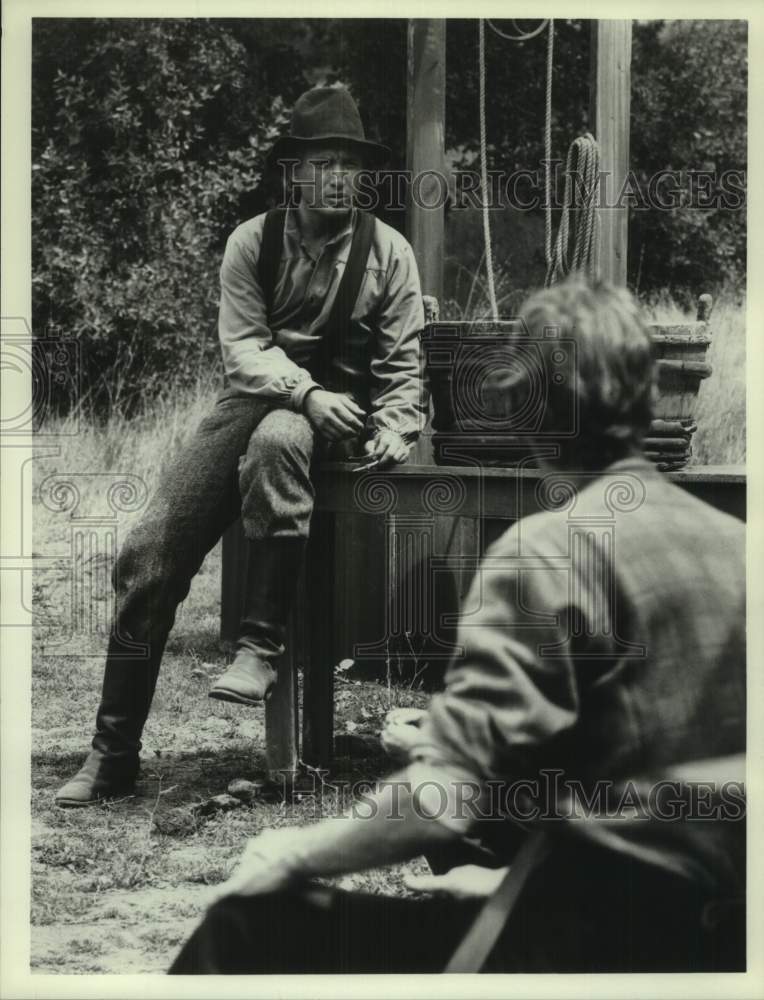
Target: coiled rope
{"x":581,"y":189}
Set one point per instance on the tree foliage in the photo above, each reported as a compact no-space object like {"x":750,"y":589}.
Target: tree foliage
{"x":689,"y":113}
{"x":150,"y":140}
{"x":147,"y":136}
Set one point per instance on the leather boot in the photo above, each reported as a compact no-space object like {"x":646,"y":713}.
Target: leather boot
{"x":112,"y":766}
{"x":273,"y":570}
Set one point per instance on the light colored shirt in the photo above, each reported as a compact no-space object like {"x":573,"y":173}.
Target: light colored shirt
{"x":607,"y":640}
{"x":265,"y":360}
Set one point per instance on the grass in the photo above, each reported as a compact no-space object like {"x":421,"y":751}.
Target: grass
{"x":118,"y":887}
{"x":144,"y":865}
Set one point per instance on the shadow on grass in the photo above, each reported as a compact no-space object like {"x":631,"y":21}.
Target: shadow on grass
{"x":187,"y":777}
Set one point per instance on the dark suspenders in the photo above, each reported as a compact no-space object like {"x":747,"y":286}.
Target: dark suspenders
{"x":335,"y":338}
{"x":270,"y":254}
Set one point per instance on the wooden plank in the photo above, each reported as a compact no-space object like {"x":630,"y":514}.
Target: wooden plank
{"x":318,"y":678}
{"x":490,"y":493}
{"x":710,"y":474}
{"x":723,"y":485}
{"x":693,"y":473}
{"x":360,"y":545}
{"x":425,"y":161}
{"x":458,"y":538}
{"x":610,"y":116}
{"x":509,"y":496}
{"x":482,"y":516}
{"x":281,"y":710}
{"x":724,"y":494}
{"x":425,"y":148}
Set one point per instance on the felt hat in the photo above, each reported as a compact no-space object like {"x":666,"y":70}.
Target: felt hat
{"x":326,"y":115}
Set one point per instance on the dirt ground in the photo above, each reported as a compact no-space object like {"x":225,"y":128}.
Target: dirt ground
{"x":117,"y":887}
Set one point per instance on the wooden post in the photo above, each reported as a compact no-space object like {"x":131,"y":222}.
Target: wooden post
{"x":318,"y":672}
{"x":425,"y":148}
{"x":610,"y":114}
{"x":281,"y":709}
{"x":426,"y":163}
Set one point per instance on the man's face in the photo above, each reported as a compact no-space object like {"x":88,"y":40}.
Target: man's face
{"x":326,"y":178}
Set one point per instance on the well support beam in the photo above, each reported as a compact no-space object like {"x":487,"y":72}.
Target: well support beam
{"x":425,"y":148}
{"x":610,"y":109}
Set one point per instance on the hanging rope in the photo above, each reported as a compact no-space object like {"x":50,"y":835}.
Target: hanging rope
{"x":582,"y":170}
{"x":484,"y":175}
{"x":519,"y":37}
{"x":581,"y":182}
{"x":548,"y":148}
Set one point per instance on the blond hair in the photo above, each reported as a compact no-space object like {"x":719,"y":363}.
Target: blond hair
{"x":611,"y":383}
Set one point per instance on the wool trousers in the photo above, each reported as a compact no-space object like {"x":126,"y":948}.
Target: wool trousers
{"x":246,"y":458}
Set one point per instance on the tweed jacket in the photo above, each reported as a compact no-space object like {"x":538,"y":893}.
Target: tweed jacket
{"x":604,"y":645}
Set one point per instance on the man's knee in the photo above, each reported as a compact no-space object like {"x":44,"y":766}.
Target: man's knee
{"x":281,"y":445}
{"x":274,"y":477}
{"x":281,"y":435}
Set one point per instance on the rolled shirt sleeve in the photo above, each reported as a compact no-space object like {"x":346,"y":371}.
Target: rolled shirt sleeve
{"x":254,"y":365}
{"x":399,"y":397}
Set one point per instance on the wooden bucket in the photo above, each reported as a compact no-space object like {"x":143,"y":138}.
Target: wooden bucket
{"x":680,"y":352}
{"x":460,"y":357}
{"x":470,"y":424}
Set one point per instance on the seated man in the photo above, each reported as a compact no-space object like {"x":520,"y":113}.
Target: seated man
{"x":320,"y":315}
{"x":601,"y":687}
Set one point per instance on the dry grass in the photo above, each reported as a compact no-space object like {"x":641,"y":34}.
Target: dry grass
{"x":721,"y":408}
{"x":139,"y":445}
{"x":116,"y":888}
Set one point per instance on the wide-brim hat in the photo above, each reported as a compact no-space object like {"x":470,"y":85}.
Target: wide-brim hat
{"x":327,"y":114}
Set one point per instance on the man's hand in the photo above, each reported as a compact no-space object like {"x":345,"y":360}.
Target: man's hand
{"x":464,"y":882}
{"x":401,"y":730}
{"x":266,"y":865}
{"x":387,"y":448}
{"x":334,"y":415}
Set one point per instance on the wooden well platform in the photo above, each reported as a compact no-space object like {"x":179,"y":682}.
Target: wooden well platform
{"x":391,"y":555}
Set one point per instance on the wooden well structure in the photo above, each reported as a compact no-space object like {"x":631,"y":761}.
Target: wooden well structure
{"x":381,"y":536}
{"x":610,"y":109}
